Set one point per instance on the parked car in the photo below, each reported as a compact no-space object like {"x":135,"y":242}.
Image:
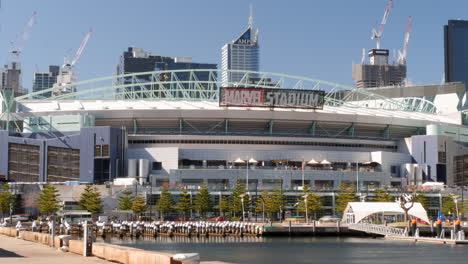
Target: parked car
{"x":16,"y":218}
{"x":329,"y":219}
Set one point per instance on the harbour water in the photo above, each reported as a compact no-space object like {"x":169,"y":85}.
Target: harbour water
{"x":323,"y":250}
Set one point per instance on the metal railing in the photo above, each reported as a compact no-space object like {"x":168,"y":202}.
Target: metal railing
{"x":377,"y":229}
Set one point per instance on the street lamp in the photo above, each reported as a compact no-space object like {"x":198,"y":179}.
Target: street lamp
{"x":306,"y":198}
{"x":243,"y":210}
{"x":247,"y":162}
{"x":455,"y":200}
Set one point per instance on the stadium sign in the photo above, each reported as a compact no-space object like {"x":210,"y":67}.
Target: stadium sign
{"x":270,"y":97}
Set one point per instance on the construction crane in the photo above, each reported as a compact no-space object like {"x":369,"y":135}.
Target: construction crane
{"x":377,"y":35}
{"x":17,"y":49}
{"x":67,"y":74}
{"x":402,"y":54}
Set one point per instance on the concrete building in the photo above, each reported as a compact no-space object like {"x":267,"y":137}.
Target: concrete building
{"x":11,"y":79}
{"x":378,"y":72}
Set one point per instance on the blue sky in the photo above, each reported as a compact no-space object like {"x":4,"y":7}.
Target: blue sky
{"x":313,"y":38}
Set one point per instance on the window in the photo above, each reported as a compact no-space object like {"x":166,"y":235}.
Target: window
{"x":156,"y":165}
{"x":442,"y":157}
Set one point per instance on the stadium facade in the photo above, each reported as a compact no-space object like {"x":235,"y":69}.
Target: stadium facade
{"x":187,"y":135}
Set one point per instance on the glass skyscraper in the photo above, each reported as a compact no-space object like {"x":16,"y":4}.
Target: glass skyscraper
{"x":241,"y":54}
{"x":45,"y":80}
{"x":456,"y":55}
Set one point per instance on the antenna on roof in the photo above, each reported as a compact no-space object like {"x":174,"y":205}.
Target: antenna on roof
{"x":251,"y":16}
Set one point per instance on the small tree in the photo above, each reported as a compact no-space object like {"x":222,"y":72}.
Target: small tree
{"x":5,"y":199}
{"x":406,"y":201}
{"x":126,"y":200}
{"x":423,"y":200}
{"x":276,"y":202}
{"x":164,"y":204}
{"x":202,"y":202}
{"x":90,"y":200}
{"x":235,"y":201}
{"x":139,"y":205}
{"x":48,"y":200}
{"x":223,"y":205}
{"x":184,"y":205}
{"x":314,"y":202}
{"x":382,"y":195}
{"x":347,"y":193}
{"x":261,"y":205}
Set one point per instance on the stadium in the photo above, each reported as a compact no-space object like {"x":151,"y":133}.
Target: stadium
{"x":186,"y":129}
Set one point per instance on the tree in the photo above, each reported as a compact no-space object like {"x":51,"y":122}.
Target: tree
{"x":347,"y":193}
{"x":423,"y":200}
{"x":90,"y":200}
{"x":382,"y":195}
{"x":5,"y":199}
{"x":448,"y":204}
{"x":276,"y":202}
{"x":184,"y":205}
{"x":126,"y":200}
{"x":223,"y":205}
{"x":406,"y":201}
{"x":164,"y":204}
{"x":139,"y":205}
{"x":261,"y":203}
{"x":202,"y":202}
{"x":48,"y":200}
{"x":235,"y":201}
{"x":314,"y":202}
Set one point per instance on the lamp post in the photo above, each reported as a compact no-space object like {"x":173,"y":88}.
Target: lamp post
{"x":247,"y":161}
{"x":306,"y":199}
{"x":455,"y":200}
{"x":243,"y":210}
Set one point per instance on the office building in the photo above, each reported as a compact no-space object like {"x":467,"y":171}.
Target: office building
{"x":45,"y":80}
{"x":456,"y":52}
{"x":241,"y":54}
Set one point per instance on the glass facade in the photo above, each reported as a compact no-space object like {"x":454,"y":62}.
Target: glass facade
{"x":23,"y":162}
{"x":242,"y":54}
{"x":45,"y":80}
{"x":456,"y":54}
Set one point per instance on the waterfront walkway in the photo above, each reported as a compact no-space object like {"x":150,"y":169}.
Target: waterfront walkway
{"x":13,"y":250}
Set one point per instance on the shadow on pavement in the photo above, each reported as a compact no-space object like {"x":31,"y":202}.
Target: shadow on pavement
{"x":8,"y":254}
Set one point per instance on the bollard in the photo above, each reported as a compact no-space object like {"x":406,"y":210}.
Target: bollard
{"x":289,"y":227}
{"x":313,"y":226}
{"x":432,"y":227}
{"x":452,"y":235}
{"x":87,"y":238}
{"x":338,"y":227}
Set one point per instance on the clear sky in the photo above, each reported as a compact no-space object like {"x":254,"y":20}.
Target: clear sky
{"x":313,"y":38}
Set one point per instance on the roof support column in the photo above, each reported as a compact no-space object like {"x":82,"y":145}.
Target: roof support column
{"x":386,"y":132}
{"x":135,"y":126}
{"x":351,"y":130}
{"x":312,"y":128}
{"x":226,"y":126}
{"x":271,"y":123}
{"x":181,"y":125}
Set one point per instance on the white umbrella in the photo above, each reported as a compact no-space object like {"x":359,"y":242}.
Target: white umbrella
{"x":312,"y":161}
{"x":326,"y":162}
{"x":239,"y":160}
{"x":252,"y":161}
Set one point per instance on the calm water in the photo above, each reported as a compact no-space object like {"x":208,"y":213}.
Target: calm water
{"x":279,"y":250}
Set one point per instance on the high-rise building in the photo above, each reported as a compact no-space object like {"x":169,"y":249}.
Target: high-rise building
{"x":10,"y":79}
{"x":456,"y":52}
{"x":378,"y":72}
{"x":45,"y":80}
{"x":136,"y":60}
{"x":241,"y":54}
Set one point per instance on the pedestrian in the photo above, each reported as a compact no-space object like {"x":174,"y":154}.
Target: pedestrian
{"x":413,"y":226}
{"x":439,"y":227}
{"x":457,"y":225}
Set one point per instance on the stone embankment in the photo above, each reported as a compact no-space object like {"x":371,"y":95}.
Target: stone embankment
{"x":108,"y":252}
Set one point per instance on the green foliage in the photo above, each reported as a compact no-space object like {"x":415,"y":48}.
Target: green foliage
{"x":126,"y":200}
{"x":223,"y":205}
{"x":314,"y":202}
{"x":5,"y":199}
{"x":48,"y":200}
{"x":202,"y":202}
{"x":347,"y":194}
{"x":184,"y":205}
{"x":276,"y":202}
{"x":139,"y":205}
{"x":382,"y":195}
{"x":449,"y":207}
{"x":90,"y":200}
{"x":164,"y":204}
{"x":262,"y":201}
{"x":235,"y":203}
{"x":421,"y":198}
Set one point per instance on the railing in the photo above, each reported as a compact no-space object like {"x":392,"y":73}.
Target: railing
{"x":378,"y":229}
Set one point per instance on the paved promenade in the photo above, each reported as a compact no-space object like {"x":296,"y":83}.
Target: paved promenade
{"x":14,"y":251}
